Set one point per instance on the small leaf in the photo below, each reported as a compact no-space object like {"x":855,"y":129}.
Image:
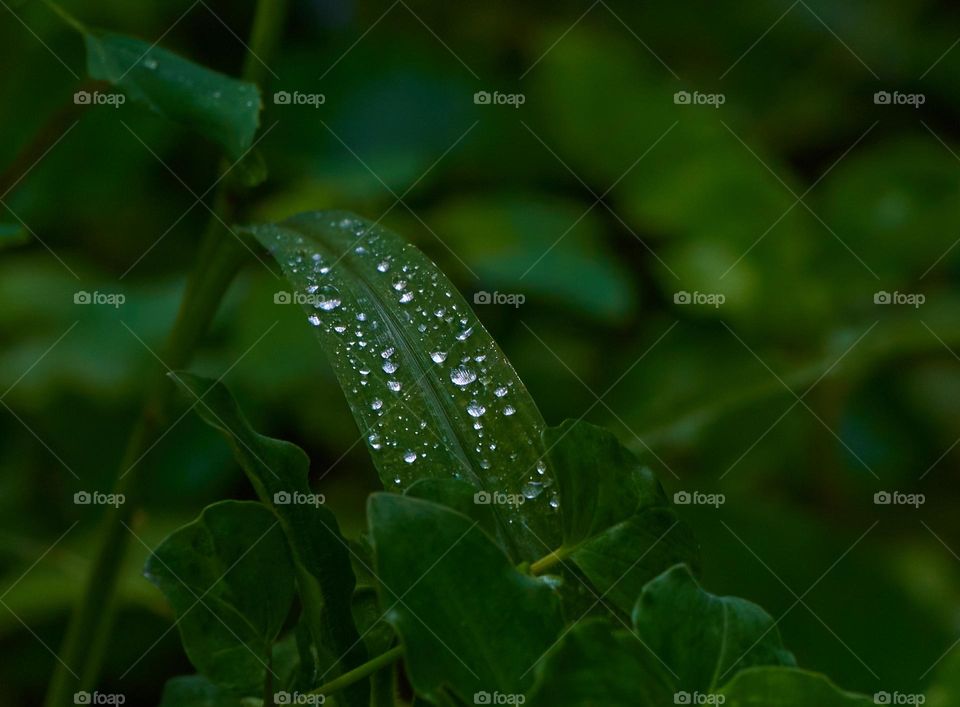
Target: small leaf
{"x":618,"y":527}
{"x":229,"y":577}
{"x":431,"y":391}
{"x":278,"y":472}
{"x":217,"y":106}
{"x":788,"y":687}
{"x":594,"y":665}
{"x":469,"y":621}
{"x":704,"y":638}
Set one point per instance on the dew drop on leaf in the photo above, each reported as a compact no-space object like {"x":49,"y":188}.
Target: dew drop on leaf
{"x":461,"y":375}
{"x":475,"y":409}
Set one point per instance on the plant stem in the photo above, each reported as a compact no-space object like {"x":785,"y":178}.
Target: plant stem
{"x":548,"y":561}
{"x":219,"y":259}
{"x":360,"y":672}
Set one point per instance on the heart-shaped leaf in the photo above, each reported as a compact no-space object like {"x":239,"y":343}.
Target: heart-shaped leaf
{"x":221,"y":108}
{"x":790,"y":687}
{"x":431,"y":391}
{"x":704,"y":638}
{"x":278,"y":472}
{"x":230,"y":579}
{"x":469,"y":621}
{"x":618,"y":526}
{"x":595,"y":665}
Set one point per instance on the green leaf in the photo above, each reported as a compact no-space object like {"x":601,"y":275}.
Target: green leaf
{"x":595,"y":665}
{"x":788,"y":687}
{"x":229,"y":577}
{"x":459,"y":496}
{"x":197,"y":691}
{"x":278,"y":472}
{"x":431,"y":391}
{"x":468,"y":620}
{"x":618,"y":527}
{"x":217,"y":106}
{"x":704,"y":638}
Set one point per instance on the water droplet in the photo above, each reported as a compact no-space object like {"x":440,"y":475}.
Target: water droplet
{"x":501,"y":391}
{"x":410,"y":457}
{"x":475,"y":409}
{"x":339,"y":328}
{"x":329,"y":299}
{"x":387,"y":353}
{"x":376,"y":404}
{"x":361,"y":317}
{"x":461,"y":375}
{"x":438,"y":356}
{"x":399,"y":284}
{"x":314,"y":319}
{"x":465,"y":334}
{"x":406,"y":297}
{"x":374,"y":440}
{"x":390,"y":367}
{"x":383,"y":266}
{"x":532,"y":489}
{"x":509,"y":410}
{"x":554,"y":501}
{"x":393,"y":385}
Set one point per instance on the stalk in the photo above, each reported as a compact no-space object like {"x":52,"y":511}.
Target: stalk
{"x":360,"y":672}
{"x":219,"y":258}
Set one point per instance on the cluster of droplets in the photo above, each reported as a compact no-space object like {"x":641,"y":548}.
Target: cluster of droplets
{"x":467,"y":371}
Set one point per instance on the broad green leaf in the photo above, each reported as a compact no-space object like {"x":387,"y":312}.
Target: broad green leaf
{"x":197,"y":691}
{"x":229,"y":577}
{"x":788,"y":687}
{"x":459,"y":496}
{"x":704,"y":638}
{"x":431,"y":391}
{"x":469,"y":621}
{"x":217,"y":106}
{"x":618,"y":527}
{"x":278,"y":472}
{"x":595,"y":665}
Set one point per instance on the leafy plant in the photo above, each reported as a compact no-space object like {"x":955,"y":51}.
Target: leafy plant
{"x":506,"y":561}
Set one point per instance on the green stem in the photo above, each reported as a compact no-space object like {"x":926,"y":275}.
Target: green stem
{"x":545,"y":563}
{"x":360,"y":672}
{"x":219,"y":258}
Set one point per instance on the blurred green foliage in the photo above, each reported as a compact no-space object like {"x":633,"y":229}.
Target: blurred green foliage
{"x":599,"y":199}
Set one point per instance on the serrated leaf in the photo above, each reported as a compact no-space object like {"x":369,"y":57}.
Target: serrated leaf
{"x":278,"y":472}
{"x":788,"y":687}
{"x":618,"y":526}
{"x":223,"y":109}
{"x":595,"y":665}
{"x":469,"y":621}
{"x":431,"y":391}
{"x":229,"y":577}
{"x":704,"y":638}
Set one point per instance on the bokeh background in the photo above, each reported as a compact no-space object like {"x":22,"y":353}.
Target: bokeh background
{"x":602,"y":199}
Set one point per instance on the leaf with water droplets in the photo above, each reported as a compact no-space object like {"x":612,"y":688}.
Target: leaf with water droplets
{"x":221,"y":108}
{"x":422,"y":376}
